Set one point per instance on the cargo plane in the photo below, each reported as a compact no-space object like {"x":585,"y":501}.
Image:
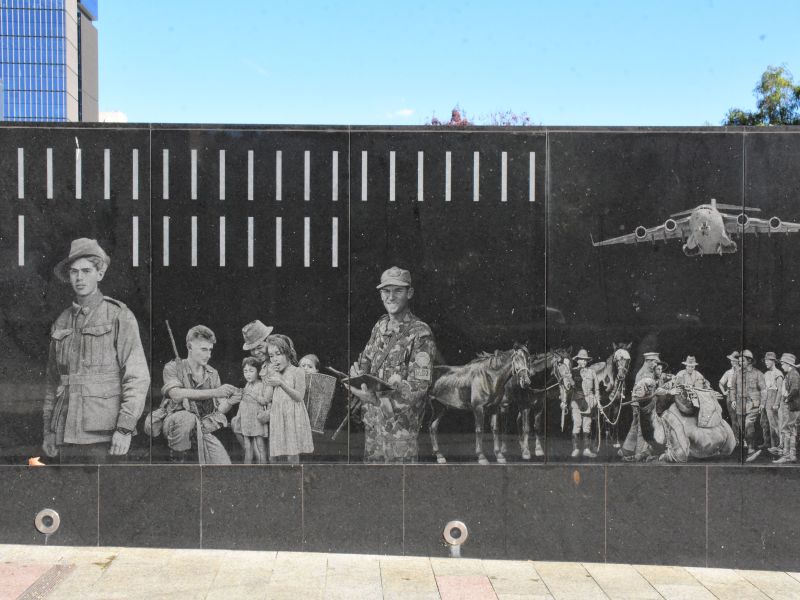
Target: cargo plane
{"x":706,"y":229}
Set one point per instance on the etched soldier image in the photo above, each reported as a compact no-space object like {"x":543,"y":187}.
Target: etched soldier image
{"x":97,"y":374}
{"x":400,"y":351}
{"x":198,"y":402}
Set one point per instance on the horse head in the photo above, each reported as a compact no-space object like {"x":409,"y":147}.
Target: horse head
{"x":560,"y":366}
{"x":520,"y":359}
{"x":621,"y":360}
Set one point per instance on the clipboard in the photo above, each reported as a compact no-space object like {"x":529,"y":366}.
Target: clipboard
{"x":376,"y":384}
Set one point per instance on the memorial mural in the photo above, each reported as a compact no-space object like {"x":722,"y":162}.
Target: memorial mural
{"x":206,"y":295}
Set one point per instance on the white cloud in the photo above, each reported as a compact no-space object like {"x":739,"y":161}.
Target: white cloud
{"x":113,"y":116}
{"x":400,"y":113}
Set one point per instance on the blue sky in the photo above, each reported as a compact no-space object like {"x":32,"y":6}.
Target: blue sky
{"x":572,"y":62}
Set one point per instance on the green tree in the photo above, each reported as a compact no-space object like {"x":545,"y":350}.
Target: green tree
{"x":777,"y":101}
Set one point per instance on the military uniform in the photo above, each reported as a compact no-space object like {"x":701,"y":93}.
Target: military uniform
{"x":400,"y":354}
{"x":198,"y":418}
{"x":773,"y":377}
{"x":635,"y":446}
{"x":97,"y":377}
{"x":585,"y":396}
{"x":749,"y":393}
{"x":694,"y":379}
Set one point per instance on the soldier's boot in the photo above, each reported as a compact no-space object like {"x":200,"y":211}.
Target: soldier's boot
{"x":790,"y":454}
{"x":587,"y":446}
{"x":576,"y":451}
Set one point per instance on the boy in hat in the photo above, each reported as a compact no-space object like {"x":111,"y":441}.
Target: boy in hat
{"x":400,"y":351}
{"x":725,"y":388}
{"x":97,"y":374}
{"x":790,"y":408}
{"x":585,"y":396}
{"x":773,"y":377}
{"x":749,"y":394}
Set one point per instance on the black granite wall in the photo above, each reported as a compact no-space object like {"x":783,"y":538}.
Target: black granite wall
{"x":294,"y":226}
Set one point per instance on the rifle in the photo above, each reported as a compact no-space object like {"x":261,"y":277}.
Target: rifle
{"x":353,"y":406}
{"x":179,"y":366}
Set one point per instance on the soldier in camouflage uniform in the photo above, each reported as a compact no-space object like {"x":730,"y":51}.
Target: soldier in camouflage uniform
{"x":400,"y":351}
{"x":97,"y":375}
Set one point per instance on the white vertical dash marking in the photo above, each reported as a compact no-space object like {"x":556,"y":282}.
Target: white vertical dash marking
{"x":278,"y":175}
{"x":194,"y":241}
{"x":307,"y":175}
{"x":222,"y":174}
{"x":335,"y":242}
{"x":193,"y":174}
{"x":504,"y":177}
{"x":250,"y":174}
{"x":135,"y":170}
{"x":392,"y":176}
{"x":363,"y":175}
{"x":165,"y":235}
{"x":476,"y":176}
{"x":448,"y":172}
{"x":49,"y":173}
{"x":250,"y":241}
{"x":21,"y":240}
{"x":306,"y":241}
{"x":278,"y":242}
{"x":532,"y":178}
{"x":165,"y":171}
{"x":20,"y":173}
{"x":420,"y":175}
{"x":106,"y":174}
{"x":222,"y":241}
{"x":335,"y":176}
{"x":135,"y":242}
{"x":78,"y":175}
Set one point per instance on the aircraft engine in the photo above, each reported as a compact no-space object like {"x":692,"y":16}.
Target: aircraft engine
{"x":670,"y":225}
{"x":774,"y":223}
{"x":742,"y":219}
{"x":640,"y":232}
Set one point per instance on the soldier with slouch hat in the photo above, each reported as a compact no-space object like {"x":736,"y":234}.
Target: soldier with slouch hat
{"x":789,"y":408}
{"x":400,"y":351}
{"x":97,"y":375}
{"x":749,"y":394}
{"x":770,"y":427}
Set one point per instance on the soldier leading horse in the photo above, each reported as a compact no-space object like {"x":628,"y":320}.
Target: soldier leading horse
{"x":472,"y":386}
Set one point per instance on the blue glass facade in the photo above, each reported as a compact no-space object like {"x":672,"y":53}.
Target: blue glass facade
{"x":35,"y":36}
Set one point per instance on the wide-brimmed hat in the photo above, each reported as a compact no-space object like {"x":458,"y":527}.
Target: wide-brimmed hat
{"x":770,"y":356}
{"x":80,"y":248}
{"x":651,"y":356}
{"x":789,"y":359}
{"x":254,"y":333}
{"x":582,"y":354}
{"x":734,"y":355}
{"x":748,"y":354}
{"x":690,"y":361}
{"x":395,"y":276}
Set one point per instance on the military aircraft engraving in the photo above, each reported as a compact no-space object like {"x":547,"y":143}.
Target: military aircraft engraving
{"x":706,"y":229}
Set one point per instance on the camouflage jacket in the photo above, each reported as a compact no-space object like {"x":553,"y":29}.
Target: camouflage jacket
{"x":97,"y":374}
{"x":403,"y":357}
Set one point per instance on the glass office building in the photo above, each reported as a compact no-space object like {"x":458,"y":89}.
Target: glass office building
{"x":48,"y":60}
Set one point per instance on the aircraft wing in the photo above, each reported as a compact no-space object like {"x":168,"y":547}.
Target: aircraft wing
{"x":735,"y":224}
{"x":670,"y":230}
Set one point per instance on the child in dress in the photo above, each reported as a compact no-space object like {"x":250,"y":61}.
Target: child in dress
{"x":310,"y":363}
{"x":255,"y":397}
{"x":290,"y":433}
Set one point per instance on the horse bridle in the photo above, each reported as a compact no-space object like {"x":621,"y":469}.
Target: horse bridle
{"x":519,"y":363}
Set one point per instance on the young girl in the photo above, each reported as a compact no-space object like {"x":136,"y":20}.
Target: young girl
{"x":256,"y":396}
{"x":310,"y":363}
{"x":290,"y":428}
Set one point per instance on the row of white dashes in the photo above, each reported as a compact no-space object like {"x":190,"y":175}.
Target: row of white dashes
{"x":165,"y":183}
{"x":251,"y":238}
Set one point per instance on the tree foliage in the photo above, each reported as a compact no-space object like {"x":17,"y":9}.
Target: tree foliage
{"x":777,"y":101}
{"x":502,"y":118}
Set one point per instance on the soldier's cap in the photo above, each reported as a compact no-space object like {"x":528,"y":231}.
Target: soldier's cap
{"x":690,"y":361}
{"x":80,"y":248}
{"x":733,"y":355}
{"x":582,"y":354}
{"x":651,"y":356}
{"x":770,"y":356}
{"x":254,"y":333}
{"x":789,"y":359}
{"x":748,"y":354}
{"x":395,"y":276}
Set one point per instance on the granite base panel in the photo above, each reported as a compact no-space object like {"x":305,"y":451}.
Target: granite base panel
{"x":700,"y":514}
